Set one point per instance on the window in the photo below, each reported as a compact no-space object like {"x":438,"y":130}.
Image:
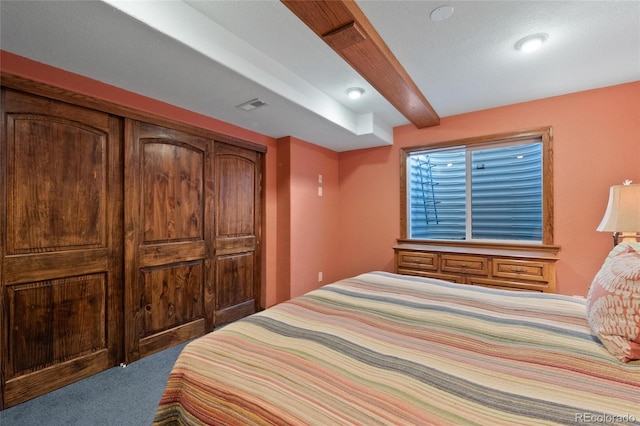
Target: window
{"x":489,"y":189}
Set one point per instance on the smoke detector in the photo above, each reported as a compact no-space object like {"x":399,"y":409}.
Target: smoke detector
{"x":441,"y":13}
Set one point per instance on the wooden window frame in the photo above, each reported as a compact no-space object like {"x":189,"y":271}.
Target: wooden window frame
{"x":543,"y":133}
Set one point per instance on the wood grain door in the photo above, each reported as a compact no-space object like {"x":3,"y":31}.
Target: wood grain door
{"x":61,"y":234}
{"x":168,"y":233}
{"x":238,"y":174}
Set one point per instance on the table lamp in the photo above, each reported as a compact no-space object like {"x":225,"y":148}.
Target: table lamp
{"x":622,"y":216}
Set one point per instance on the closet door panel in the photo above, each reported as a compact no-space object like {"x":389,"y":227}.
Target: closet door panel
{"x":48,"y":194}
{"x":168,"y":219}
{"x":235,"y":289}
{"x":180,"y":298}
{"x":173,"y":196}
{"x":62,"y":246}
{"x":42,"y":304}
{"x":238,"y":173}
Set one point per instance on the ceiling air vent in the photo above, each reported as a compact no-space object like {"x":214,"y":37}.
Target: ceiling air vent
{"x":252,"y":104}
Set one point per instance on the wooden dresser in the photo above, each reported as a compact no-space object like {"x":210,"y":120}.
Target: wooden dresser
{"x":514,"y":268}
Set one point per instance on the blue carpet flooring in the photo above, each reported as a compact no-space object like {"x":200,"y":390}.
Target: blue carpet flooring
{"x":120,"y":396}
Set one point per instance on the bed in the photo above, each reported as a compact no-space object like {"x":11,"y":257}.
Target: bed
{"x":387,"y":349}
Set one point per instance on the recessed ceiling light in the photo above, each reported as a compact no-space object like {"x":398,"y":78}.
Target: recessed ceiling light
{"x":441,"y":13}
{"x":532,"y":42}
{"x":354,"y":92}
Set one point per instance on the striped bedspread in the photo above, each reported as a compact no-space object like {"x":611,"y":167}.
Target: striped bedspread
{"x":386,"y":349}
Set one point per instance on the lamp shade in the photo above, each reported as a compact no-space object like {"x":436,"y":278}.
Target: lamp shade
{"x":623,"y":210}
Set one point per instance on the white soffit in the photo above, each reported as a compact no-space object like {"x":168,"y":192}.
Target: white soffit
{"x":187,"y":25}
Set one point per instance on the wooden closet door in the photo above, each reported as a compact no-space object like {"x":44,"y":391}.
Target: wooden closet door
{"x":238,"y":174}
{"x":61,"y":234}
{"x":168,"y":231}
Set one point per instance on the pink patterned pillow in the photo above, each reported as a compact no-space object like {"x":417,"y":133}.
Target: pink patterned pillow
{"x":613,"y":304}
{"x":626,"y":247}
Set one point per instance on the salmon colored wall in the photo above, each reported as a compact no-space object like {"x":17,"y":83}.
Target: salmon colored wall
{"x":596,"y":144}
{"x":283,"y":212}
{"x":36,"y":71}
{"x":313,"y":219}
{"x":353,"y":227}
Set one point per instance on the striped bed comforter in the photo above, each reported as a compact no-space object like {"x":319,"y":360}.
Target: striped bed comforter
{"x":386,"y":349}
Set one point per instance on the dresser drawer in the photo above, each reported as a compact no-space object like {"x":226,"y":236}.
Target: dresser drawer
{"x":418,"y":261}
{"x":508,"y":285}
{"x":436,"y":275}
{"x":465,"y":264}
{"x":521,"y":269}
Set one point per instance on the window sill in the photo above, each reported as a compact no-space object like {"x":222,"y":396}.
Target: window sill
{"x":544,"y":251}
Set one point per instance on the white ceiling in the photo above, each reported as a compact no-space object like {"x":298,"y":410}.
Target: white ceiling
{"x":209,"y":56}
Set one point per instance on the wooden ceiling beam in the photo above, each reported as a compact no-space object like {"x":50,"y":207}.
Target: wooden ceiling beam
{"x":345,"y":28}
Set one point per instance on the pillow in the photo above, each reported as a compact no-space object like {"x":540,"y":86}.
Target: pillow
{"x":626,"y":246}
{"x":613,"y":303}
